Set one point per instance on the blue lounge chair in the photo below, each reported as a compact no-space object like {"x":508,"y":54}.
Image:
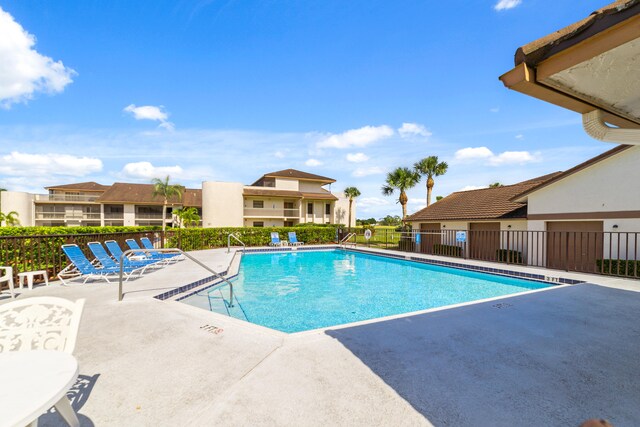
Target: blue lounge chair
{"x":130,"y":266}
{"x":157,"y":256}
{"x":293,"y":239}
{"x":275,"y":239}
{"x":146,"y":242}
{"x":81,"y":267}
{"x":116,"y":253}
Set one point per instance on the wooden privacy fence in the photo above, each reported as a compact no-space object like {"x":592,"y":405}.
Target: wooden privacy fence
{"x":607,"y":253}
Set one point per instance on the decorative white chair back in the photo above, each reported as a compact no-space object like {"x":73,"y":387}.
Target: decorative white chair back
{"x":7,"y":276}
{"x":40,"y":323}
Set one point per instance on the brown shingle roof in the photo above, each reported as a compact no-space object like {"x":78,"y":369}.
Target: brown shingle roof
{"x":486,"y":203}
{"x":122,"y":192}
{"x":80,"y":186}
{"x":522,"y":196}
{"x":293,"y":173}
{"x":598,"y":21}
{"x":319,"y":196}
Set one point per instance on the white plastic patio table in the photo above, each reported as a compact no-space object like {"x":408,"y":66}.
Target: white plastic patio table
{"x":31,"y":382}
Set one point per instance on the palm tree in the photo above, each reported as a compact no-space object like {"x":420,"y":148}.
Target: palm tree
{"x":401,"y":179}
{"x":188,"y":216}
{"x":351,"y":193}
{"x":495,"y":185}
{"x":11,"y":218}
{"x":165,"y":190}
{"x":430,"y":167}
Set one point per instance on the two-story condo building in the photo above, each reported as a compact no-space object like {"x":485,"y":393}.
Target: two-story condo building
{"x":282,"y":198}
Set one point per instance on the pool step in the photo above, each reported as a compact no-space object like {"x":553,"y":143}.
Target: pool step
{"x":219,"y":303}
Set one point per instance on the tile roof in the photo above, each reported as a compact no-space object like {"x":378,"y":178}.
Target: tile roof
{"x":84,"y":186}
{"x":319,"y":196}
{"x":601,"y":20}
{"x":294,"y":173}
{"x":122,"y":192}
{"x":486,"y":203}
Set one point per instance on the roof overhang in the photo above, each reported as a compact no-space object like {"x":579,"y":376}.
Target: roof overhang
{"x":591,"y":65}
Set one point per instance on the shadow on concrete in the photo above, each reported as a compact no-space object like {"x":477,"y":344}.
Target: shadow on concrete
{"x":78,"y":396}
{"x":550,"y":358}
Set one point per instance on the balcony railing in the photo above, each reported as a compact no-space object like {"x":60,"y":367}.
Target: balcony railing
{"x":271,"y":213}
{"x":65,"y":198}
{"x":114,"y":215}
{"x":71,"y":216}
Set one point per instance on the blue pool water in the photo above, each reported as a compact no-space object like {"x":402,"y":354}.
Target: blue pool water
{"x":303,"y":290}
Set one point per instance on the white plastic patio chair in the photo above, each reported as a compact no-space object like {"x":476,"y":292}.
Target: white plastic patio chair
{"x":42,"y":323}
{"x":7,"y":277}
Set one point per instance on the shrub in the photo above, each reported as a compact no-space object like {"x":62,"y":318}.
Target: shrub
{"x":43,"y":231}
{"x":620,"y":267}
{"x":447,"y":250}
{"x":508,"y":255}
{"x":205,"y":238}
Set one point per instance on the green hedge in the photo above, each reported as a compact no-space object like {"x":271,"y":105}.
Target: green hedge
{"x":507,"y":255}
{"x":448,"y":250}
{"x":205,"y":238}
{"x":619,"y":267}
{"x":42,"y":231}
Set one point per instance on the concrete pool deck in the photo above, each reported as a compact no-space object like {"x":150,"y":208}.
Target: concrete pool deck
{"x":555,"y":357}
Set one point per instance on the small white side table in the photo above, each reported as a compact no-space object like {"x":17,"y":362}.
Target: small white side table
{"x":30,"y":275}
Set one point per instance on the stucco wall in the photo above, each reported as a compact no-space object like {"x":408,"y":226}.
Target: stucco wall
{"x":604,"y":187}
{"x":341,"y":210}
{"x":129,"y":214}
{"x":20,"y":202}
{"x":222,"y":204}
{"x":310,"y":187}
{"x":287,"y":184}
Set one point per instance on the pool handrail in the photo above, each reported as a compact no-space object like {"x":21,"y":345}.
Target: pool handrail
{"x":237,"y":239}
{"x":346,"y":238}
{"x":180,"y":251}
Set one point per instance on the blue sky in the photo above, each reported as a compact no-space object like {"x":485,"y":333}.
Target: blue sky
{"x":229,"y":90}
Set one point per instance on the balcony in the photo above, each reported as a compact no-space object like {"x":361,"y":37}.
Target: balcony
{"x":113,"y":215}
{"x":271,"y":213}
{"x":67,"y":216}
{"x":155,"y":216}
{"x":66,"y":198}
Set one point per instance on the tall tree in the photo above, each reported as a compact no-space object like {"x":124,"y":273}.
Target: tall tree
{"x":162,"y":188}
{"x":430,"y":167}
{"x":351,"y":193}
{"x":400,"y":180}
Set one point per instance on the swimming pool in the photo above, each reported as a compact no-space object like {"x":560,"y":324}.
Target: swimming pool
{"x":302,"y":290}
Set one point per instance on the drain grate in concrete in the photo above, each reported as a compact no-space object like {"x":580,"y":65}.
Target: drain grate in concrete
{"x":212,"y":329}
{"x":502,"y":305}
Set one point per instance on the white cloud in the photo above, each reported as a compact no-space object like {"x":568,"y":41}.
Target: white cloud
{"x":473,"y":153}
{"x":470,"y":154}
{"x":278,"y":154}
{"x":151,"y":112}
{"x":494,"y":109}
{"x":145,"y":170}
{"x":357,"y":157}
{"x":519,"y":136}
{"x":506,"y":4}
{"x":413,"y":129}
{"x":370,"y":202}
{"x":24,"y":71}
{"x":17,"y":164}
{"x":373,"y":170}
{"x":313,"y":163}
{"x":356,"y":137}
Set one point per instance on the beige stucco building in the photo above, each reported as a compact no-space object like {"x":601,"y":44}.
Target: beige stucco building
{"x":283,"y":198}
{"x":589,"y":212}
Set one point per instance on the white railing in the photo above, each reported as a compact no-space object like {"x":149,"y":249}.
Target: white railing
{"x":276,"y":213}
{"x":65,"y":198}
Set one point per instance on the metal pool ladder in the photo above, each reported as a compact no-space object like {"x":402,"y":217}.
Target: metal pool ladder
{"x":345,"y":240}
{"x":172,"y":250}
{"x":237,"y":239}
